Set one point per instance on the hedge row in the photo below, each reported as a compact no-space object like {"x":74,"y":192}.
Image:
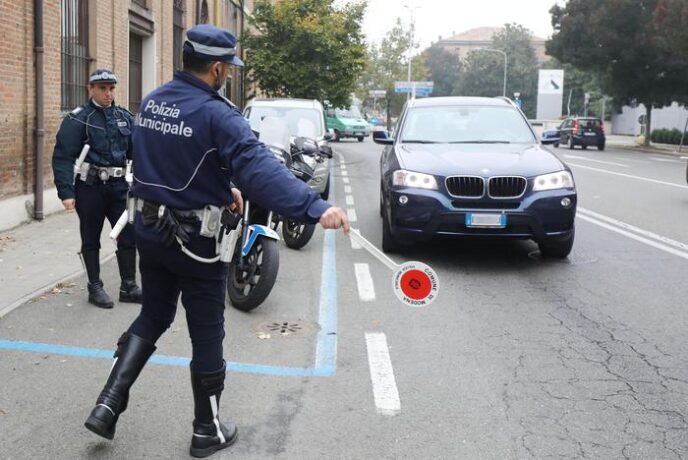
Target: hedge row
{"x":668,"y":136}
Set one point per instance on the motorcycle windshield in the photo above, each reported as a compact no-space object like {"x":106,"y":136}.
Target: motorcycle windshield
{"x":306,"y":128}
{"x":274,"y":132}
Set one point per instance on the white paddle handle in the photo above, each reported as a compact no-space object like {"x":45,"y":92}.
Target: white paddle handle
{"x":370,"y":247}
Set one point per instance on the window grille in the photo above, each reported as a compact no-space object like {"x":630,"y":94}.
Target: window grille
{"x":74,"y":53}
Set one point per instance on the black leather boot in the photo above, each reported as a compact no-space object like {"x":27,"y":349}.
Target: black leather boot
{"x":130,"y":357}
{"x":209,"y":434}
{"x":128,"y":290}
{"x":96,"y":293}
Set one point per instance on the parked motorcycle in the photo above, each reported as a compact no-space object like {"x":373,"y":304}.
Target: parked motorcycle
{"x":306,"y":153}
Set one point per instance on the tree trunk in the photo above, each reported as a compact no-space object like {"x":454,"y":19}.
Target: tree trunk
{"x":648,"y":125}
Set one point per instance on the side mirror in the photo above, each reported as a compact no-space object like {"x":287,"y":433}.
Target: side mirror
{"x":326,"y":150}
{"x":382,"y":137}
{"x":329,"y":135}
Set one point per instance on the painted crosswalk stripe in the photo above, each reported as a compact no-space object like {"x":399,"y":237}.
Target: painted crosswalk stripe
{"x":347,"y":189}
{"x":351,"y":213}
{"x":344,"y":173}
{"x":366,"y":288}
{"x":345,"y":180}
{"x":355,"y":244}
{"x":349,"y":200}
{"x":382,"y":374}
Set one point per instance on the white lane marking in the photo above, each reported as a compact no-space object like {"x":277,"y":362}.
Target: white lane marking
{"x":351,"y":213}
{"x":629,"y":176}
{"x":684,"y":158}
{"x":666,"y":160}
{"x":343,"y":166}
{"x":345,"y":180}
{"x":631,"y":160}
{"x":349,"y":200}
{"x":345,"y":173}
{"x":651,"y":239}
{"x":347,"y":189}
{"x":366,"y":288}
{"x":576,"y":157}
{"x":382,"y":374}
{"x":355,"y":244}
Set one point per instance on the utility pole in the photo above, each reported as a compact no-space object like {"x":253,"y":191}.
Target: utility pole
{"x":410,"y":49}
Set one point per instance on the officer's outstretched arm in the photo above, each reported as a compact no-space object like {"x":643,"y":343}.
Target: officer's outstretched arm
{"x":69,"y":141}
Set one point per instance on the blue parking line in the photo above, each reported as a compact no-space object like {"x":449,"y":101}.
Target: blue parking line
{"x":326,"y":346}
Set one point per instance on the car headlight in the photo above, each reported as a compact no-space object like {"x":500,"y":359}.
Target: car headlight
{"x":404,"y":178}
{"x":553,"y":181}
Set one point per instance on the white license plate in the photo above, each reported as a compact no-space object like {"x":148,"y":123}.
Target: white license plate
{"x":590,"y":134}
{"x":485,"y":220}
{"x":358,"y":134}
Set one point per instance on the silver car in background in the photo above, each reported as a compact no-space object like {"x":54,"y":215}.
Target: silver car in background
{"x":304,"y":117}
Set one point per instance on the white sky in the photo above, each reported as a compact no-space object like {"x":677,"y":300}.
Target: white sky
{"x":447,"y":17}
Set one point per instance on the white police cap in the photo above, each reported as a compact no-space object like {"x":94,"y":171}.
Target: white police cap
{"x":212,"y":44}
{"x":102,"y":76}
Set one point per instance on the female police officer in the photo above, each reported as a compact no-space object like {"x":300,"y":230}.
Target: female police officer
{"x":100,"y":190}
{"x":189,"y":142}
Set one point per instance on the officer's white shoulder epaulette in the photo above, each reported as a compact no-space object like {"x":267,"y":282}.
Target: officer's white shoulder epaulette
{"x":77,"y":110}
{"x":228,"y":102}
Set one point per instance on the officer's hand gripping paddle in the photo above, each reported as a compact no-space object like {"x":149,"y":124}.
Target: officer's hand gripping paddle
{"x":414,"y":283}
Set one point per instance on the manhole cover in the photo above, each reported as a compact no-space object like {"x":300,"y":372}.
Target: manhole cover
{"x":284,"y":328}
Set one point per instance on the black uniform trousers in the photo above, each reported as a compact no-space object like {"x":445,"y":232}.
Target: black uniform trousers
{"x":95,"y":203}
{"x":166,"y":273}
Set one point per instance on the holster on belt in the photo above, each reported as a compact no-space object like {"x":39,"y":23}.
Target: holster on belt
{"x":170,"y":223}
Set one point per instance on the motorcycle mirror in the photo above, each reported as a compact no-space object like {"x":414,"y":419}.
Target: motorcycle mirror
{"x":326,"y":150}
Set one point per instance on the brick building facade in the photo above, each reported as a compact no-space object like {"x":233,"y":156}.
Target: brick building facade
{"x":137,"y":39}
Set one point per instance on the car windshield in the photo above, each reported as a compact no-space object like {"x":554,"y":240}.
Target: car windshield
{"x":352,"y":112}
{"x":300,"y":122}
{"x":465,"y":125}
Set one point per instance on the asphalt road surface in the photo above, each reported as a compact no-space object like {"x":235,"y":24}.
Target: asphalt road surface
{"x":519,"y":357}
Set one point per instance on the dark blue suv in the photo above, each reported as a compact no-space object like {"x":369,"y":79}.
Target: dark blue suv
{"x":469,"y":166}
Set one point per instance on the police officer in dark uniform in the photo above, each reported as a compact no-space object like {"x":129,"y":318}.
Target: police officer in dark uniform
{"x":189,"y":143}
{"x":99,"y":190}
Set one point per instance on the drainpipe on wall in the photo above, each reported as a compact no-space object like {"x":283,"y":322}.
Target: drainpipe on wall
{"x":242,"y":95}
{"x":39,"y":133}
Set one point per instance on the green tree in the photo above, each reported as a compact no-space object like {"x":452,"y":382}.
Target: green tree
{"x":443,"y":69}
{"x":306,"y":48}
{"x":387,"y":63}
{"x":618,"y":40}
{"x":484,"y":70}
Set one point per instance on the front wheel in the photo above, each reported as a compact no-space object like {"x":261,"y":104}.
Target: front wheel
{"x":558,"y":248}
{"x":249,"y":286}
{"x":360,"y":138}
{"x":337,"y":136}
{"x":297,"y":235}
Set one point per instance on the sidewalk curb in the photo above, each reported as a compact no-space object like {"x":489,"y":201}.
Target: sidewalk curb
{"x":650,"y":150}
{"x":19,"y":302}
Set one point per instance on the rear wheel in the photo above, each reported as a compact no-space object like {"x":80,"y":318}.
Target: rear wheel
{"x":556,"y":248}
{"x":249,"y":286}
{"x":360,"y":138}
{"x":600,"y":146}
{"x":297,"y":235}
{"x":336,"y":136}
{"x":571,"y":144}
{"x":584,"y":147}
{"x":556,"y":145}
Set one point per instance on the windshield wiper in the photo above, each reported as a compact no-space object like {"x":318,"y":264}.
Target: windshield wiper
{"x":417,"y":141}
{"x":479,"y":142}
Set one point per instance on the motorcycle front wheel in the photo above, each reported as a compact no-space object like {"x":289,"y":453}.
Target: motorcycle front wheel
{"x":249,"y":286}
{"x":297,"y":235}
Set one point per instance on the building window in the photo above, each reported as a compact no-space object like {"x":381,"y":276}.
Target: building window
{"x":178,"y":34}
{"x":135,"y":72}
{"x":141,"y":3}
{"x":74,"y":43}
{"x":204,"y":16}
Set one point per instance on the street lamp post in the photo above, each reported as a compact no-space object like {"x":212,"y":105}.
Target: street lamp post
{"x":411,"y":11}
{"x":506,"y":61}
